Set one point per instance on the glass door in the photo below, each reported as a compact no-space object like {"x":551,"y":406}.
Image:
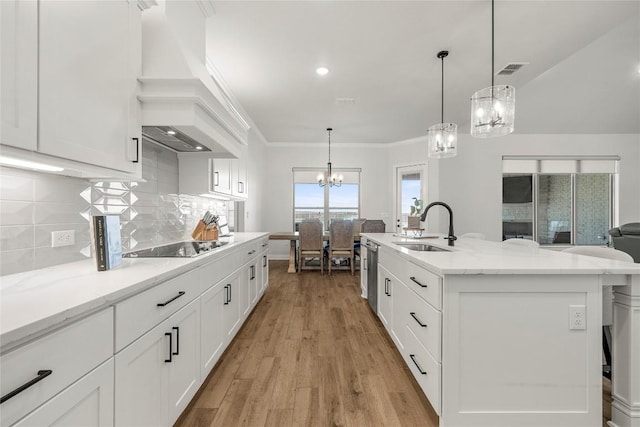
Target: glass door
{"x":410,"y":183}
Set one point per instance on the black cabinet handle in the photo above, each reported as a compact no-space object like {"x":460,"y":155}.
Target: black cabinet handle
{"x":253,"y":272}
{"x":169,"y":360}
{"x":251,"y":252}
{"x":412,"y":356}
{"x":137,"y":140}
{"x":177,"y":329}
{"x":264,"y":244}
{"x":417,"y":320}
{"x":264,"y":260}
{"x":226,"y":294}
{"x":240,"y":187}
{"x":41,"y":375}
{"x":413,"y":279}
{"x":229,"y":292}
{"x":162,"y":304}
{"x":216,"y":179}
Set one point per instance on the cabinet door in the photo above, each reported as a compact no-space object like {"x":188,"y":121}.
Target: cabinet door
{"x":239,"y":177}
{"x":220,"y":175}
{"x":264,"y":276}
{"x":19,"y":73}
{"x":385,"y":296}
{"x":87,"y":80}
{"x":184,"y":368}
{"x":88,"y":402}
{"x":142,"y":382}
{"x":231,"y":306}
{"x":253,"y":284}
{"x":212,"y":331}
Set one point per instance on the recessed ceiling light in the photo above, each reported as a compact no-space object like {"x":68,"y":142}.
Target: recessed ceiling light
{"x":322,"y":71}
{"x":171,"y":132}
{"x":198,"y":147}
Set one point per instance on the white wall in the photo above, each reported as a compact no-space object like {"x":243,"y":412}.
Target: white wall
{"x":256,"y":168}
{"x":277,"y":207}
{"x":471,"y":183}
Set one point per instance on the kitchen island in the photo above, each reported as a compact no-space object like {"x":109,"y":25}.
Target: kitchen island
{"x":500,"y":335}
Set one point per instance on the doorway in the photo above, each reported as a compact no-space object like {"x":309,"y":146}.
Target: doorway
{"x":410,"y":183}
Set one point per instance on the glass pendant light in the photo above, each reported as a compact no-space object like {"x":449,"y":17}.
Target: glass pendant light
{"x":442,"y":138}
{"x":493,"y":108}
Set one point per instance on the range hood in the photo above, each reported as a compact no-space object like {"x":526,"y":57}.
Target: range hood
{"x":177,"y":93}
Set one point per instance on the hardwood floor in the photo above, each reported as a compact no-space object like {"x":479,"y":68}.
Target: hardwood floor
{"x":312,"y":353}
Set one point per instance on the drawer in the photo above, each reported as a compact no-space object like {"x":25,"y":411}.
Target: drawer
{"x":424,"y":368}
{"x":426,"y":284}
{"x":425,"y":322}
{"x":140,"y":313}
{"x":250,"y":251}
{"x":220,"y":267}
{"x":69,"y":353}
{"x":263,"y":244}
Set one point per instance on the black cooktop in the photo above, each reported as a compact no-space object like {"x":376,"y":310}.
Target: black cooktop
{"x":186,"y":249}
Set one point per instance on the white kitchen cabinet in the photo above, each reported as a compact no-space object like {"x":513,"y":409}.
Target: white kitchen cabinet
{"x":232,"y":316}
{"x":19,"y":73}
{"x":224,"y":178}
{"x":239,"y":178}
{"x":264,"y":272}
{"x":88,"y":402}
{"x":158,"y":374}
{"x":386,"y":283}
{"x":52,"y":363}
{"x":212,"y":333}
{"x":89,"y":61}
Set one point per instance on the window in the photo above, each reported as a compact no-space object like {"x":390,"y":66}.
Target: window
{"x":325,"y":203}
{"x":560,"y":201}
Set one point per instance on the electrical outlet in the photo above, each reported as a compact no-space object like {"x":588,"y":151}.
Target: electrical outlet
{"x":63,"y":238}
{"x":577,"y":317}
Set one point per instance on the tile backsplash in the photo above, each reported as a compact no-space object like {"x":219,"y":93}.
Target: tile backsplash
{"x":33,"y":204}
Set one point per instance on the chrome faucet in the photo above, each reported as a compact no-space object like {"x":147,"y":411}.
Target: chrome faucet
{"x":451,"y":238}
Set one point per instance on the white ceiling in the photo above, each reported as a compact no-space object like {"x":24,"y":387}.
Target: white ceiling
{"x":583,"y":73}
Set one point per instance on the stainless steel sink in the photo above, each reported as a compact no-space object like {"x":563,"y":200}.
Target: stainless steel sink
{"x":421,"y":247}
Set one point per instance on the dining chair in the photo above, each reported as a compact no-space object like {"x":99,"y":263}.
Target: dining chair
{"x":311,"y":244}
{"x":521,"y":242}
{"x":341,"y":242}
{"x":357,"y":227}
{"x":373,"y":226}
{"x":607,"y":296}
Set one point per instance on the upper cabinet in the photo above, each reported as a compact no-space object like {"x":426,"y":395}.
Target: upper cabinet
{"x":72,"y":93}
{"x":221,"y":178}
{"x":19,"y":74}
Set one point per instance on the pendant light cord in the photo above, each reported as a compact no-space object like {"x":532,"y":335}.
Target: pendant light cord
{"x":442,"y":93}
{"x":492,"y":44}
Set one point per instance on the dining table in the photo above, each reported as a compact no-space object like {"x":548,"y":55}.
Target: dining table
{"x":294,"y":237}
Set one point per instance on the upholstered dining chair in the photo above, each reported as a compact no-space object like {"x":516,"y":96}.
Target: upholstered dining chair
{"x":341,"y":242}
{"x":357,"y":227}
{"x":373,"y":226}
{"x":311,"y":244}
{"x":607,"y":296}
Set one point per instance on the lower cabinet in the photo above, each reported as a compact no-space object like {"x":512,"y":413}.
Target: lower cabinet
{"x":264,"y":273}
{"x":386,"y":282}
{"x":158,"y":374}
{"x":88,"y":402}
{"x":231,"y":306}
{"x":212,"y":332}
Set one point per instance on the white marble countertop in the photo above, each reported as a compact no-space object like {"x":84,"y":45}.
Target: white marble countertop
{"x":40,"y":300}
{"x":475,"y":256}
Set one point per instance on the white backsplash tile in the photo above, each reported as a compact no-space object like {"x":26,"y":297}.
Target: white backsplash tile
{"x":32,"y":205}
{"x":16,"y":213}
{"x":14,"y":237}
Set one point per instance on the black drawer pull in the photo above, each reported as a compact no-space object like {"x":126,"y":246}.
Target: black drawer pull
{"x":413,"y":279}
{"x":264,"y":244}
{"x":162,"y":304}
{"x":41,"y":375}
{"x":412,"y":356}
{"x":417,"y":320}
{"x":264,"y":260}
{"x":169,"y":360}
{"x":251,"y":252}
{"x":177,"y":329}
{"x":226,"y":294}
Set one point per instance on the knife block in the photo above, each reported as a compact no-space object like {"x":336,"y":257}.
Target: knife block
{"x":201,"y":232}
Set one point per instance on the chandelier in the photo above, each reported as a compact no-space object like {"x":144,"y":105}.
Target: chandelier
{"x":329,"y":177}
{"x":442,"y":138}
{"x":493,"y":108}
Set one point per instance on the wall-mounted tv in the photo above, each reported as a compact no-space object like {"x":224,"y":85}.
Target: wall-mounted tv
{"x":517,"y":189}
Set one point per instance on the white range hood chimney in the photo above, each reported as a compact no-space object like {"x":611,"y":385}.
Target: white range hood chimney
{"x":176,"y":90}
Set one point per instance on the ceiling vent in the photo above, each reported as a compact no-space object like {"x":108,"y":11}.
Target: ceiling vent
{"x":511,"y":68}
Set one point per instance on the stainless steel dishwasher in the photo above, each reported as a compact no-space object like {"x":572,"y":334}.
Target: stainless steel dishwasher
{"x":372,"y":274}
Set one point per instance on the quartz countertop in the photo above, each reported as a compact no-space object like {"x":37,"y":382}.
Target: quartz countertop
{"x":44,"y":299}
{"x":475,"y":256}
